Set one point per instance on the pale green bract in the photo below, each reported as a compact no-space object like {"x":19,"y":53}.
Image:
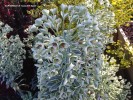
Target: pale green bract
{"x":70,"y":66}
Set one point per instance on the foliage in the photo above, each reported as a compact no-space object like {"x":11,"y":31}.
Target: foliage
{"x":116,"y":87}
{"x":49,"y":4}
{"x":97,"y":4}
{"x":11,"y":56}
{"x":123,"y":10}
{"x":70,"y":63}
{"x":123,"y":54}
{"x":37,"y":11}
{"x":68,"y":44}
{"x":31,"y":1}
{"x":69,"y":2}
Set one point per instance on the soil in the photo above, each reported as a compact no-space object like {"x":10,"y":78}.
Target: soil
{"x":8,"y":93}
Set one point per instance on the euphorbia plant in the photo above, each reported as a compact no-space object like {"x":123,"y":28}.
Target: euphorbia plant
{"x":70,"y":63}
{"x":11,"y":56}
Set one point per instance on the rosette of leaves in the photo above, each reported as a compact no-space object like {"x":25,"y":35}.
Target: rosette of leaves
{"x":69,"y":63}
{"x":11,"y":56}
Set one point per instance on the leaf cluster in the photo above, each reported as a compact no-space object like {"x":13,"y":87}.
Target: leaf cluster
{"x":123,"y":10}
{"x":121,"y":53}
